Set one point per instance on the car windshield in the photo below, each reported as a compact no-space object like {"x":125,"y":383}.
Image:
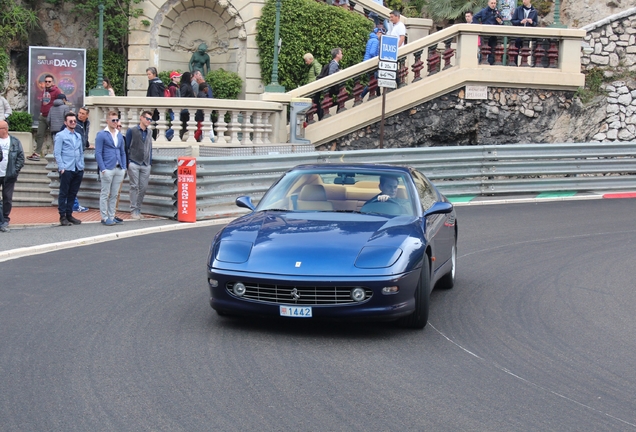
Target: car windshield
{"x":343,"y":191}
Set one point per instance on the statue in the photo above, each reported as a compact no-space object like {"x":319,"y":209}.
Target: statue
{"x":200,"y":60}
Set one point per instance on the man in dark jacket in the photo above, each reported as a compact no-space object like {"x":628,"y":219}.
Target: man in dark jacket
{"x":489,"y":15}
{"x":11,"y":162}
{"x":139,"y":157}
{"x":525,"y":15}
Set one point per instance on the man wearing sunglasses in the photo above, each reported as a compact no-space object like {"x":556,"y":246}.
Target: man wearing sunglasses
{"x":69,"y":155}
{"x":139,"y":151}
{"x":49,"y":95}
{"x":110,"y":154}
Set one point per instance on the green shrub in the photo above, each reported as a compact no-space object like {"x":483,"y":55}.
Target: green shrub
{"x":225,"y":84}
{"x":114,"y":68}
{"x":20,"y":121}
{"x":309,"y":26}
{"x":594,"y":78}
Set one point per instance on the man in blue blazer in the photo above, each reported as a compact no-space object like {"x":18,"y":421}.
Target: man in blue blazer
{"x":110,"y":154}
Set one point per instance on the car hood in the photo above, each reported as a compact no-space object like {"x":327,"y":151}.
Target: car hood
{"x":318,"y":244}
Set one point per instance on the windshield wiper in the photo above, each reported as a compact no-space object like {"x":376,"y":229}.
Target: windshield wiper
{"x":347,"y":211}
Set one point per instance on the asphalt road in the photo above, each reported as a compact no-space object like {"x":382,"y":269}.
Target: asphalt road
{"x":538,"y":334}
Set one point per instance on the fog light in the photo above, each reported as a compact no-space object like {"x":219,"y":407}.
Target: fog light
{"x":358,"y":294}
{"x":213,"y":282}
{"x":390,"y":290}
{"x":239,"y":289}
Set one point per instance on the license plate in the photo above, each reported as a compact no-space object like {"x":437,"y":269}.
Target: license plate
{"x":295,"y":311}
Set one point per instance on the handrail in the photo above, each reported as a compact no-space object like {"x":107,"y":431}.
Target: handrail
{"x":453,"y":32}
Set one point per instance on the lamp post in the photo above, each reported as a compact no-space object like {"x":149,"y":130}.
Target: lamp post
{"x":557,"y":16}
{"x":273,"y":86}
{"x":99,"y":90}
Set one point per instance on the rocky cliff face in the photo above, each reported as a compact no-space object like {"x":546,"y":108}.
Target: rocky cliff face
{"x":58,"y":28}
{"x":508,"y":116}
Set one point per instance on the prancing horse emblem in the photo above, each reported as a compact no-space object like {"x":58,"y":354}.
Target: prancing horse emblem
{"x":294,"y":294}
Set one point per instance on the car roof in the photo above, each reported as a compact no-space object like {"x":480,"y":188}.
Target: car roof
{"x":353,"y":167}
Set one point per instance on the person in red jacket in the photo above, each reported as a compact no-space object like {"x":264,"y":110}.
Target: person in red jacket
{"x":48,"y":97}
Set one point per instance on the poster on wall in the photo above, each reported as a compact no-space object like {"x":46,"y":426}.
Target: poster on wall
{"x":68,"y":68}
{"x":507,"y":7}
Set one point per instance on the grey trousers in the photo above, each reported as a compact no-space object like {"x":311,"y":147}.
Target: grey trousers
{"x":111,"y":179}
{"x":138,"y":176}
{"x":43,"y":126}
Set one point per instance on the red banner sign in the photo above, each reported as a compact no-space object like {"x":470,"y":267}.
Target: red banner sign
{"x":187,"y":189}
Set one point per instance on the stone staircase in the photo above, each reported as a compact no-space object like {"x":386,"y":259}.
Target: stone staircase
{"x":32,"y":188}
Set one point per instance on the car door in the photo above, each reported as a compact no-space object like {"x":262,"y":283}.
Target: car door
{"x":438,"y":233}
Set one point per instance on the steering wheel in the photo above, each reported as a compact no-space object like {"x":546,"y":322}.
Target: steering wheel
{"x":390,"y":207}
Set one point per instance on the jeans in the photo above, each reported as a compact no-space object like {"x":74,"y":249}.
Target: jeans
{"x":70,"y":182}
{"x":138,"y":176}
{"x":7,"y":199}
{"x":111,"y":179}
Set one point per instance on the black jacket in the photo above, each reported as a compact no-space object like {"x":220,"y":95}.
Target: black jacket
{"x":186,"y":90}
{"x":155,"y":88}
{"x":16,"y":160}
{"x":487,"y":16}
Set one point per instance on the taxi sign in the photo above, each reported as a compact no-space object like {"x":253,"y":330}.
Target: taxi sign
{"x":389,"y":48}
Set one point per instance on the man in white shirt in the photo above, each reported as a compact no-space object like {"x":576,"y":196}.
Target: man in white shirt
{"x":110,"y":154}
{"x":397,"y":27}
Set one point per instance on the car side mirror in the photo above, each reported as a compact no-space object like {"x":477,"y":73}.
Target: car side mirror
{"x":245,"y":202}
{"x":439,"y":208}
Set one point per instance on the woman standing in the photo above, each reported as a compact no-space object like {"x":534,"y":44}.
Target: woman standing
{"x":186,"y":91}
{"x":107,"y":86}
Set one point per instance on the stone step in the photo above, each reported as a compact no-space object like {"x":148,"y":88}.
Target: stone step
{"x":32,"y":201}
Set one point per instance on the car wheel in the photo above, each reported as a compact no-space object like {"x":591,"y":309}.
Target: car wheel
{"x":419,"y":318}
{"x":448,"y":280}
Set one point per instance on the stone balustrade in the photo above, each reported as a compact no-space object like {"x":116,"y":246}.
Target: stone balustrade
{"x":547,"y":58}
{"x":223,"y":123}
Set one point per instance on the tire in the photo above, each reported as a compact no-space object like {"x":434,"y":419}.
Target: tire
{"x":419,"y":318}
{"x":448,"y":280}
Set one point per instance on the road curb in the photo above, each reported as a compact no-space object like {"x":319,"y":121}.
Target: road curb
{"x":50,"y":247}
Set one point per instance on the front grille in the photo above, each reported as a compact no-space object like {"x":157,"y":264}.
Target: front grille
{"x":307,"y":295}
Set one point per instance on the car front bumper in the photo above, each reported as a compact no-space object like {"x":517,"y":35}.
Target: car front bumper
{"x":378,"y":307}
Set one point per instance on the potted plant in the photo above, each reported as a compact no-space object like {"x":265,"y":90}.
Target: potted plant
{"x":20,"y":126}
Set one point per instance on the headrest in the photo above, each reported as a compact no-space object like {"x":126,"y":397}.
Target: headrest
{"x":313,"y":193}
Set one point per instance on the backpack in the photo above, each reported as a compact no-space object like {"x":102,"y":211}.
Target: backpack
{"x":324,"y":71}
{"x":166,"y":92}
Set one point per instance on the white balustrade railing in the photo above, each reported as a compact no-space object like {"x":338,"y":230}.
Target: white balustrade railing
{"x":189,"y":121}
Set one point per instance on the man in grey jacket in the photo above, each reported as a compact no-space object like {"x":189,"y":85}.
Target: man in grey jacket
{"x":11,"y":162}
{"x":139,"y":157}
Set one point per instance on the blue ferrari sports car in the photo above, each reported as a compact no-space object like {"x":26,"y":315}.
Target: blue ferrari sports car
{"x":337,"y":241}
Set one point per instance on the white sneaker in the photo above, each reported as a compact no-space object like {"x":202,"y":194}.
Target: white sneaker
{"x":135,"y":215}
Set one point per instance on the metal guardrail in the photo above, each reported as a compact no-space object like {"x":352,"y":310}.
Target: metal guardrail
{"x":457,"y":171}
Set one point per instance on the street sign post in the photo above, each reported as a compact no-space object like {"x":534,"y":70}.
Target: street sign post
{"x":387,"y":72}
